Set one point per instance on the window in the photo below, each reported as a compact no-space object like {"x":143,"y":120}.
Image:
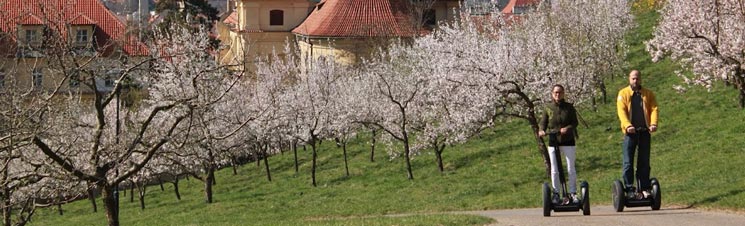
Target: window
{"x":276,"y":17}
{"x":109,"y":83}
{"x":2,"y":79}
{"x":81,"y":36}
{"x":429,"y":18}
{"x":37,"y":75}
{"x":31,"y":36}
{"x":74,"y":79}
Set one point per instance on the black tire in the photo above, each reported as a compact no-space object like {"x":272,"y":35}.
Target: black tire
{"x":656,"y":194}
{"x":546,"y":200}
{"x":618,"y":195}
{"x":585,"y":189}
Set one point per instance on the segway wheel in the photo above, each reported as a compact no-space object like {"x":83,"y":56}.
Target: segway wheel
{"x":546,"y":200}
{"x":656,"y":194}
{"x":585,"y":198}
{"x":618,"y":195}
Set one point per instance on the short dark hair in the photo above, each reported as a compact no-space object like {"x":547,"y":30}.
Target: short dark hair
{"x":557,"y":85}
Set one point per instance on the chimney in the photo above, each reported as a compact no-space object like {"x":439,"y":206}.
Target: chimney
{"x":144,"y":12}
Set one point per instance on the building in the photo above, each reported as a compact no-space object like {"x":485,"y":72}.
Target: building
{"x":338,"y":27}
{"x":258,"y":27}
{"x":35,"y":34}
{"x":350,"y":30}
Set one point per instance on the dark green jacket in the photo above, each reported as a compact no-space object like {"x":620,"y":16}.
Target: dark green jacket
{"x":557,"y":116}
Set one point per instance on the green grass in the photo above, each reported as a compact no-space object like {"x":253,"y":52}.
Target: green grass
{"x":698,"y":156}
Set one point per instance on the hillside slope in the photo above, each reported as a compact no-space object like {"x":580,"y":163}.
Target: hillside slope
{"x":698,"y":156}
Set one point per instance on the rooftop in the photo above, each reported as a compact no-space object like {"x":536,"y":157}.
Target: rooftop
{"x":108,"y":28}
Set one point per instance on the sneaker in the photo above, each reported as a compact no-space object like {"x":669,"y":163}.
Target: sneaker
{"x":646,"y":194}
{"x":575,"y":199}
{"x":555,"y":199}
{"x":631,"y":193}
{"x":639,"y":196}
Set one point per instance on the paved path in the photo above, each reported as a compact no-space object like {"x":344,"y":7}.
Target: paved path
{"x":606,"y":216}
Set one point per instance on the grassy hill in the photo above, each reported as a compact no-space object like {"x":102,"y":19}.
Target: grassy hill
{"x":698,"y":155}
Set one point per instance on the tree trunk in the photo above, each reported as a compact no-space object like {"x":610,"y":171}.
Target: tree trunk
{"x":161,"y":184}
{"x":541,"y":145}
{"x":438,"y":153}
{"x":59,"y":205}
{"x":175,"y":189}
{"x":294,"y":150}
{"x":266,"y":166}
{"x":372,"y":146}
{"x":742,"y":98}
{"x":313,"y":166}
{"x":92,"y":198}
{"x":604,"y":92}
{"x":407,"y":157}
{"x":235,"y":168}
{"x":258,"y":159}
{"x":109,"y":203}
{"x":132,"y":192}
{"x":7,"y":210}
{"x":346,"y":164}
{"x":141,"y":194}
{"x":208,"y":183}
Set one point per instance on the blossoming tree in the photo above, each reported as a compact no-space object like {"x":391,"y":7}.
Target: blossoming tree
{"x":707,"y":37}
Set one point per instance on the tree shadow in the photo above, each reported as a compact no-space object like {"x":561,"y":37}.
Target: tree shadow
{"x":477,"y":156}
{"x":717,"y":197}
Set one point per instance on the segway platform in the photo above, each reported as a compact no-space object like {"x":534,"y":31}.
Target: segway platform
{"x":583,"y":204}
{"x":621,"y":200}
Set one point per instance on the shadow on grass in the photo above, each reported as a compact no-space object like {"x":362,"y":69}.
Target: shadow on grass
{"x":477,"y":156}
{"x":717,"y":197}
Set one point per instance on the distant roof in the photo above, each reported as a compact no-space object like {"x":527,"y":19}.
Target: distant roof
{"x":232,"y":18}
{"x":508,"y":9}
{"x":73,"y":12}
{"x":357,"y":18}
{"x":526,"y":2}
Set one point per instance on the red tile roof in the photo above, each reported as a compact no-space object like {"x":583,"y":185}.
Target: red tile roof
{"x":526,"y":2}
{"x":232,"y":21}
{"x":232,"y":18}
{"x":81,"y":20}
{"x":357,"y":18}
{"x":30,"y":19}
{"x":508,"y":8}
{"x":82,"y":12}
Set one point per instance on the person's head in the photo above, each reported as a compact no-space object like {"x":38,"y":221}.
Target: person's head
{"x":557,"y":93}
{"x":635,"y":79}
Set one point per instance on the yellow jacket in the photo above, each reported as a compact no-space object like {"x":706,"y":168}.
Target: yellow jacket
{"x":623,"y":105}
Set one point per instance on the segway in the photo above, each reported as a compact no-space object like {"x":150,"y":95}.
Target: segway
{"x":621,"y":200}
{"x":584,"y":200}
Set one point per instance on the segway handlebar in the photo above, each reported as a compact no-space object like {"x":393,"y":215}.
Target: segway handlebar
{"x":641,"y":129}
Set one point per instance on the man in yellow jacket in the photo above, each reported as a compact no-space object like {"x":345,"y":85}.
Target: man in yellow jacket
{"x":637,"y":111}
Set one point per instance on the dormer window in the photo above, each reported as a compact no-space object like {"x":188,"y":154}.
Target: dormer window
{"x":31,"y":36}
{"x":2,"y":79}
{"x":276,"y":18}
{"x":38,"y":78}
{"x":429,"y":18}
{"x":74,"y":79}
{"x":81,"y":36}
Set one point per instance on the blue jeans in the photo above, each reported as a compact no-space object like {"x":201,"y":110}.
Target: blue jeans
{"x":639,"y":141}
